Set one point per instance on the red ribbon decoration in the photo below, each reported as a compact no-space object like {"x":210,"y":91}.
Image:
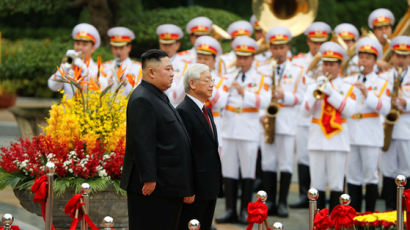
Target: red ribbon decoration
{"x":406,"y":195}
{"x":257,"y":213}
{"x":322,"y":220}
{"x":342,"y":216}
{"x":13,"y":227}
{"x":73,"y":207}
{"x":40,"y":190}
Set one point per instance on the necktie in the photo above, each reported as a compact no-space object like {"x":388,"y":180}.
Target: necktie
{"x":243,"y":77}
{"x":205,"y":112}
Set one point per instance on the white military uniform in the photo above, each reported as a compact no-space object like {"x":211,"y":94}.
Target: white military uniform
{"x":168,"y":34}
{"x":89,"y":69}
{"x":303,"y":123}
{"x":317,"y":31}
{"x":366,"y":130}
{"x":328,"y":142}
{"x":365,"y":126}
{"x":235,"y":29}
{"x":396,"y":160}
{"x":218,"y":101}
{"x":347,"y":31}
{"x":240,"y":127}
{"x":132,"y":74}
{"x":288,"y":77}
{"x":279,"y":155}
{"x":328,"y":155}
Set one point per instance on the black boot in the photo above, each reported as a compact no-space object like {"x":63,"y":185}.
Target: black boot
{"x":247,"y":191}
{"x":371,"y":196}
{"x":356,"y":195}
{"x":321,"y":200}
{"x":269,"y":183}
{"x":304,"y":183}
{"x":283,"y":194}
{"x":334,"y":199}
{"x":231,"y":195}
{"x":389,"y":193}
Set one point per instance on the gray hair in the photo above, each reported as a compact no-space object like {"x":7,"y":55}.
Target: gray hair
{"x":193,"y":72}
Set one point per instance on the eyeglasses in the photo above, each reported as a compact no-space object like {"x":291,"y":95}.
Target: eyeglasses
{"x":209,"y":82}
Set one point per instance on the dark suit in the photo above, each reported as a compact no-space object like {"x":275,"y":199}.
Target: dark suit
{"x":157,"y":149}
{"x":206,"y":164}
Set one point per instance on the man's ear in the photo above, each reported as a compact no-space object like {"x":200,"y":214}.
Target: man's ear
{"x":151,"y":72}
{"x":192,"y":84}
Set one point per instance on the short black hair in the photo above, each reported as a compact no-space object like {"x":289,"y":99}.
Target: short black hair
{"x":152,"y":54}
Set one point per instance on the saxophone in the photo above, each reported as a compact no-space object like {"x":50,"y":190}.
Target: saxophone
{"x":271,"y":112}
{"x":394,"y":114}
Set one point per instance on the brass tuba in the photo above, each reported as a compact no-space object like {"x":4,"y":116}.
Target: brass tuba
{"x":394,"y":114}
{"x":219,"y":34}
{"x":271,"y":112}
{"x":296,"y":15}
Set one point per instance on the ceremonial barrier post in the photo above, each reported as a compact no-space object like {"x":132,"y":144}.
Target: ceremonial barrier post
{"x":263,"y":196}
{"x":194,"y":224}
{"x":400,"y":182}
{"x":7,"y":220}
{"x":85,"y":190}
{"x":313,"y":194}
{"x":277,"y":226}
{"x":51,"y":168}
{"x":108,"y":223}
{"x":344,"y":200}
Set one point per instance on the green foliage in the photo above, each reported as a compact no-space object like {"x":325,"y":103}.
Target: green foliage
{"x":60,"y":185}
{"x":30,"y":63}
{"x":144,"y":24}
{"x":10,"y":7}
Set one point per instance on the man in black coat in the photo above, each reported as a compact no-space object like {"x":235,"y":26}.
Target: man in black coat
{"x":157,"y":171}
{"x":198,"y":120}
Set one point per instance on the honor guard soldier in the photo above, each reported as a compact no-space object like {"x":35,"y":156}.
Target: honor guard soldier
{"x":330,"y":102}
{"x":258,"y":32}
{"x":349,"y":34}
{"x":381,"y":22}
{"x":207,"y":50}
{"x":365,"y":126}
{"x":199,"y":26}
{"x":86,"y":40}
{"x":169,"y":36}
{"x":120,"y":41}
{"x":248,"y":94}
{"x":396,"y":160}
{"x":317,"y":33}
{"x":236,"y":29}
{"x":278,"y":156}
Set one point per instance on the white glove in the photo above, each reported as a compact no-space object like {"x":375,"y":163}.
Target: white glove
{"x":80,"y":64}
{"x":72,"y":53}
{"x":321,"y":80}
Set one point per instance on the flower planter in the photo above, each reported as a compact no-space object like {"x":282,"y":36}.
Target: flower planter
{"x":105,"y":203}
{"x":7,"y":100}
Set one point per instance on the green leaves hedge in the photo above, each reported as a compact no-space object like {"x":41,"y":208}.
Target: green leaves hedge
{"x":29,"y":63}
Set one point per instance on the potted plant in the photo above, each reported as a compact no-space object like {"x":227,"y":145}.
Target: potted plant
{"x":85,"y":137}
{"x":8,"y":94}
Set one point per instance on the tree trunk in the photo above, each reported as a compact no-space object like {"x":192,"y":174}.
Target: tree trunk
{"x":102,"y":14}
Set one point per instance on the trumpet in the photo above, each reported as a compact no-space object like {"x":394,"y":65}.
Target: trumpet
{"x":69,"y":59}
{"x":319,"y":93}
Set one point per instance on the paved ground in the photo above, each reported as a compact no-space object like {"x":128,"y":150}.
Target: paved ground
{"x":297,"y":220}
